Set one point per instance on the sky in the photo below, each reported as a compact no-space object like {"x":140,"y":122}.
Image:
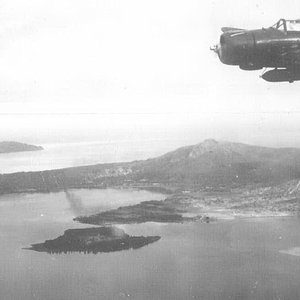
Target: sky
{"x":136,"y":69}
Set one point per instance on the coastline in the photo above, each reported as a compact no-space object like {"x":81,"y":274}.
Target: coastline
{"x":189,"y":204}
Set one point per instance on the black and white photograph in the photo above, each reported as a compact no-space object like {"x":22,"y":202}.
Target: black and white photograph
{"x":149,"y":150}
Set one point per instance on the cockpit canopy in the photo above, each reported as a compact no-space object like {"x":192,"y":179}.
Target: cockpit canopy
{"x":287,"y":25}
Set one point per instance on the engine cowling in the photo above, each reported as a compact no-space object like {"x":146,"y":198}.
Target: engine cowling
{"x":236,"y":48}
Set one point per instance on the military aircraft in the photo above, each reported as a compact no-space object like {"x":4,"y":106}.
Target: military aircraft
{"x":276,"y":47}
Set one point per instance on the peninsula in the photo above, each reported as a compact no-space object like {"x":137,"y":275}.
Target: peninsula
{"x":9,"y":146}
{"x":166,"y":211}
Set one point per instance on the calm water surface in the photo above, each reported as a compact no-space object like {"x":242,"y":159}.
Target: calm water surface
{"x":240,"y":259}
{"x":63,"y":155}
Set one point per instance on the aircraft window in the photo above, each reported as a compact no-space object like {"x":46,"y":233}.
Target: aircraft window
{"x":287,"y":25}
{"x":293,"y":25}
{"x":280,"y":25}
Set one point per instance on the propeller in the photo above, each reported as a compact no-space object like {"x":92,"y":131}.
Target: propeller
{"x":215,"y":48}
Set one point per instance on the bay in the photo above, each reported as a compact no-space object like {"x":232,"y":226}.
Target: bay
{"x":233,"y":259}
{"x":65,"y":155}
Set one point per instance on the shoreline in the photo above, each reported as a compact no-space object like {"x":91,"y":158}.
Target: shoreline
{"x":187,"y":205}
{"x":233,"y":215}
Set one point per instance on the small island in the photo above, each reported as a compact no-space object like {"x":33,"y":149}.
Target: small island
{"x":93,"y":240}
{"x":9,"y":147}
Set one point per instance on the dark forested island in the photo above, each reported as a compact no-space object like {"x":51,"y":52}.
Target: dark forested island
{"x":93,"y":240}
{"x":9,"y":146}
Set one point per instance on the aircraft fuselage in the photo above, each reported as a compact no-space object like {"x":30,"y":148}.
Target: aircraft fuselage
{"x":263,"y":48}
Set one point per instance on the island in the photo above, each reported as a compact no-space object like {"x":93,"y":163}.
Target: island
{"x":93,"y":240}
{"x":9,"y":147}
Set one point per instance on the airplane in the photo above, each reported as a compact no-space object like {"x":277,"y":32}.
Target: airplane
{"x":276,"y":47}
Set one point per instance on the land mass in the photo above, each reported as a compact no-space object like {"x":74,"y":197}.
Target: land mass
{"x":167,"y":211}
{"x":201,"y":183}
{"x":212,"y":174}
{"x":93,"y":240}
{"x":8,"y":147}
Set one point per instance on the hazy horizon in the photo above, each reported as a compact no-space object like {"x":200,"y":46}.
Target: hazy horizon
{"x":99,"y":71}
{"x":273,"y":130}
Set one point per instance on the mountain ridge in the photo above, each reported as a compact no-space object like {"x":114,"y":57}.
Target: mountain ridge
{"x":210,"y":164}
{"x":224,"y":162}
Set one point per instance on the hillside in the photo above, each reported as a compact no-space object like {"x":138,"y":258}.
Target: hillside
{"x":208,"y":165}
{"x":223,"y":163}
{"x":8,"y":147}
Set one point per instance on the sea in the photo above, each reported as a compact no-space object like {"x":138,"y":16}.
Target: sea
{"x":73,"y":154}
{"x":242,"y":258}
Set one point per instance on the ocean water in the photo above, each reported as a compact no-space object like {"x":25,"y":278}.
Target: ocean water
{"x":31,"y":218}
{"x":233,"y":259}
{"x":63,"y":155}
